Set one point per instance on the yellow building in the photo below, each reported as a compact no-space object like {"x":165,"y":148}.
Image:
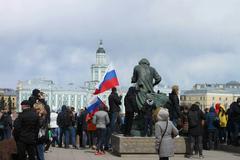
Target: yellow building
{"x":210,"y":94}
{"x":6,"y":93}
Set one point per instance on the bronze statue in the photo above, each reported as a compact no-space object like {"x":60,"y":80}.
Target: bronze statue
{"x":146,"y":77}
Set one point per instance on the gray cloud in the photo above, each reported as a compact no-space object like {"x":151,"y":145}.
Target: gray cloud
{"x":187,"y":41}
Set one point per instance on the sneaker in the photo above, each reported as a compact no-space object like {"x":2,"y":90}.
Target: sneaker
{"x":189,"y":156}
{"x":101,"y":152}
{"x":97,"y":153}
{"x":201,"y":156}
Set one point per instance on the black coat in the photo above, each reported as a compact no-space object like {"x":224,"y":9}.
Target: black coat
{"x":174,"y":110}
{"x":114,"y":102}
{"x":235,"y":112}
{"x":64,"y":118}
{"x":130,"y":102}
{"x":6,"y":120}
{"x":192,"y":114}
{"x":26,"y":127}
{"x":81,"y":121}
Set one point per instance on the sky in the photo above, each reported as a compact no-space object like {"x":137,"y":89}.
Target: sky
{"x":187,"y":41}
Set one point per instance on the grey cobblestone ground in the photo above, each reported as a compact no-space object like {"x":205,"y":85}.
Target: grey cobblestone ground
{"x":72,"y":154}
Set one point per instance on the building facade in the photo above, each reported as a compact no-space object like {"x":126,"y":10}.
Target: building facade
{"x":55,"y":95}
{"x":210,"y":94}
{"x":8,"y":96}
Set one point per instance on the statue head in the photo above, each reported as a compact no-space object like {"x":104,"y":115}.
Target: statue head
{"x":144,"y":61}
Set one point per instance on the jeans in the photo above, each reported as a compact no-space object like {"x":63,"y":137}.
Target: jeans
{"x":23,"y":148}
{"x":197,"y":142}
{"x":55,"y":136}
{"x":128,"y":122}
{"x":7,"y":134}
{"x":222,"y":134}
{"x":66,"y":136}
{"x":212,"y":138}
{"x":84,"y":138}
{"x":61,"y":133}
{"x":175,"y":121}
{"x":73,"y":135}
{"x":235,"y":134}
{"x":148,"y":126}
{"x":113,"y":120}
{"x":108,"y":137}
{"x":40,"y":151}
{"x":91,"y":138}
{"x":101,"y":132}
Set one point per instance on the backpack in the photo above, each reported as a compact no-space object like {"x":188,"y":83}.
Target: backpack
{"x":193,"y":119}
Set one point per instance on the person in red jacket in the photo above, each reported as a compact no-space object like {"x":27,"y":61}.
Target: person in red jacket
{"x":91,"y":131}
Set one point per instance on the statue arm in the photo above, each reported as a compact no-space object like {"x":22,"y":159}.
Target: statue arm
{"x":134,"y":77}
{"x":157,"y":77}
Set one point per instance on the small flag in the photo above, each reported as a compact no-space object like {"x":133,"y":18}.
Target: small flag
{"x":94,"y":105}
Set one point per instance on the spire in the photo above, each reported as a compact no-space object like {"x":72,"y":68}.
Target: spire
{"x":100,"y":48}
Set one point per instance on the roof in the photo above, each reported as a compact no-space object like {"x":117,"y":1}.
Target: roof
{"x":7,"y":92}
{"x":211,"y":90}
{"x":100,"y":48}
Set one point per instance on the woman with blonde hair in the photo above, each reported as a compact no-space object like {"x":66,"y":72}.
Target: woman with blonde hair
{"x":164,"y":133}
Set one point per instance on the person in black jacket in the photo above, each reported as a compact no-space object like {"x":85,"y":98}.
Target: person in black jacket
{"x":6,"y":120}
{"x":174,"y":110}
{"x":147,"y":110}
{"x":34,"y":97}
{"x":26,"y":128}
{"x":61,"y":124}
{"x":195,"y":129}
{"x":114,"y":103}
{"x":235,"y":113}
{"x":130,"y":107}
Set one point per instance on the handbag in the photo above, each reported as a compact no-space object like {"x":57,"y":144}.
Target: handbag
{"x":162,"y":137}
{"x":41,"y":132}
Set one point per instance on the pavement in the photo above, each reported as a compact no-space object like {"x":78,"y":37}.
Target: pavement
{"x":88,"y":154}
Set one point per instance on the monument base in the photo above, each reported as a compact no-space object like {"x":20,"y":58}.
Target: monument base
{"x":143,"y":145}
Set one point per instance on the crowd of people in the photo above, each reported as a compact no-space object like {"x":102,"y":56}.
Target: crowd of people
{"x":36,"y":128}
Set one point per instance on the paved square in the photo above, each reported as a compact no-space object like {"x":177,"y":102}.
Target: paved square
{"x":87,"y":154}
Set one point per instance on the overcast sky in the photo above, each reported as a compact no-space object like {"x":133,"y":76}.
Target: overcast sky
{"x":187,"y":41}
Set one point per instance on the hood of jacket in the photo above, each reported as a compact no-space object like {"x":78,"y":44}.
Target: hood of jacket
{"x":212,"y":109}
{"x":194,"y":107}
{"x":223,"y":107}
{"x":64,"y":108}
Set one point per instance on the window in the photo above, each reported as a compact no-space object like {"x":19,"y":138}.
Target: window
{"x":96,"y":75}
{"x":213,"y":98}
{"x":220,"y":98}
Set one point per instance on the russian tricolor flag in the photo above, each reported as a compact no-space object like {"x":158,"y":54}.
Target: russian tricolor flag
{"x":95,"y":103}
{"x":109,"y":81}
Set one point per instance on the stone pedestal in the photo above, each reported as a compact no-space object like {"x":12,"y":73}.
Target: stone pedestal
{"x":142,"y":145}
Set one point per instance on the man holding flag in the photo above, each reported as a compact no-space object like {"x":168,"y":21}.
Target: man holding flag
{"x":110,"y":81}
